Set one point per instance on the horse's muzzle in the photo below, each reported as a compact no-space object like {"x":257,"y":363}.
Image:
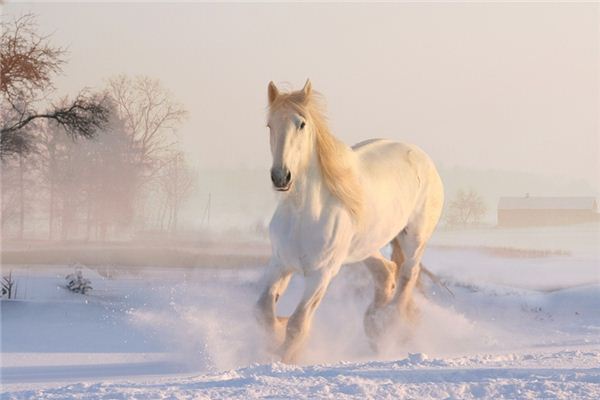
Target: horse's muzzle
{"x":281,"y":178}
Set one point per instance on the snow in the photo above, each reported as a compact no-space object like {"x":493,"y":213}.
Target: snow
{"x":545,"y":376}
{"x":516,"y":327}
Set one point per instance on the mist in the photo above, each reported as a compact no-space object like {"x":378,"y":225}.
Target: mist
{"x":165,"y":207}
{"x":502,"y":95}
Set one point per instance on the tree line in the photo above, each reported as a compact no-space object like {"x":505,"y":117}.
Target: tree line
{"x":96,"y":166}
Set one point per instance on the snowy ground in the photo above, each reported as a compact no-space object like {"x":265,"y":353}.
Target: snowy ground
{"x":520,"y":325}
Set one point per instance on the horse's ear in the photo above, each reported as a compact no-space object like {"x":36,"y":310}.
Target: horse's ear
{"x":307,"y":89}
{"x":273,"y":92}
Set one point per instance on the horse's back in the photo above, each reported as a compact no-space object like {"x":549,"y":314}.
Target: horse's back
{"x":397,"y":157}
{"x":386,"y":146}
{"x":401,"y":186}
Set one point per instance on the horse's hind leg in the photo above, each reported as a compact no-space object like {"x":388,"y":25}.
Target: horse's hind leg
{"x":384,"y":274}
{"x":412,"y":244}
{"x":412,"y":241}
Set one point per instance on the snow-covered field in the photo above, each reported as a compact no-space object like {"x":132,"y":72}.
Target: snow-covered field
{"x":520,"y":325}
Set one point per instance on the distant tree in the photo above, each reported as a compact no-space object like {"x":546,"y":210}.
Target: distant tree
{"x":176,"y":182}
{"x":28,"y":63}
{"x":9,"y":196}
{"x":64,"y":172}
{"x":91,"y":184}
{"x":110,"y":181}
{"x":467,"y":208}
{"x":52,"y":149}
{"x":19,"y":176}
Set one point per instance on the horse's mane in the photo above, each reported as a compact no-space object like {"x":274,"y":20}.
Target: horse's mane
{"x":333,"y":155}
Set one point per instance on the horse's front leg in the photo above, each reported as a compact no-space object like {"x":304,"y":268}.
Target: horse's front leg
{"x":277,"y":280}
{"x":299,"y":323}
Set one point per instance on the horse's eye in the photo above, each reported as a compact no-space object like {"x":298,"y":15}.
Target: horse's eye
{"x":302,"y":125}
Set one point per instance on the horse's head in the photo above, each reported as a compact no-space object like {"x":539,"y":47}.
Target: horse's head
{"x":291,"y":135}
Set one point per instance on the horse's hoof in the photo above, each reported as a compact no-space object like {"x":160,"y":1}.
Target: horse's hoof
{"x":284,"y":355}
{"x":289,"y":359}
{"x":374,"y":346}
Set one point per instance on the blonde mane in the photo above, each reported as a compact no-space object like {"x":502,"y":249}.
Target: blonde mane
{"x":337,"y":170}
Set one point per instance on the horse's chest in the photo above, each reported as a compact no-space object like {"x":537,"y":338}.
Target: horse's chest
{"x":304,"y":243}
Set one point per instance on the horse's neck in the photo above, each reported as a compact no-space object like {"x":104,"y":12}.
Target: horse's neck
{"x":309,"y":189}
{"x":310,"y":192}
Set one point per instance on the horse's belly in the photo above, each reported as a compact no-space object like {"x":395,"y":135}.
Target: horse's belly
{"x":371,"y":241}
{"x":386,"y":215}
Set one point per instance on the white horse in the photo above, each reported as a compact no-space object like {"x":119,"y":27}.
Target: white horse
{"x":342,"y":205}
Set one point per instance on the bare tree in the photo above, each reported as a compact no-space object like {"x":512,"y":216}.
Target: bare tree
{"x":467,"y":208}
{"x":151,"y":118}
{"x":28,"y":63}
{"x":10,"y":194}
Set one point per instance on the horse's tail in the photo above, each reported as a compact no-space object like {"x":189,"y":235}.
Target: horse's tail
{"x":434,"y":278}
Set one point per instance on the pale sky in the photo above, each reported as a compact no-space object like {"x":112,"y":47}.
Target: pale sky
{"x":488,"y":86}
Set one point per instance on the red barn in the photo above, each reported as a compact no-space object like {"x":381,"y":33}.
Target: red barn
{"x":542,"y":211}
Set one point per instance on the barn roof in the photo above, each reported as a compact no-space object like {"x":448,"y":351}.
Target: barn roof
{"x":547,"y":203}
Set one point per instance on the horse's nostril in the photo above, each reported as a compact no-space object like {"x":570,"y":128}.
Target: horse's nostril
{"x":281,"y":177}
